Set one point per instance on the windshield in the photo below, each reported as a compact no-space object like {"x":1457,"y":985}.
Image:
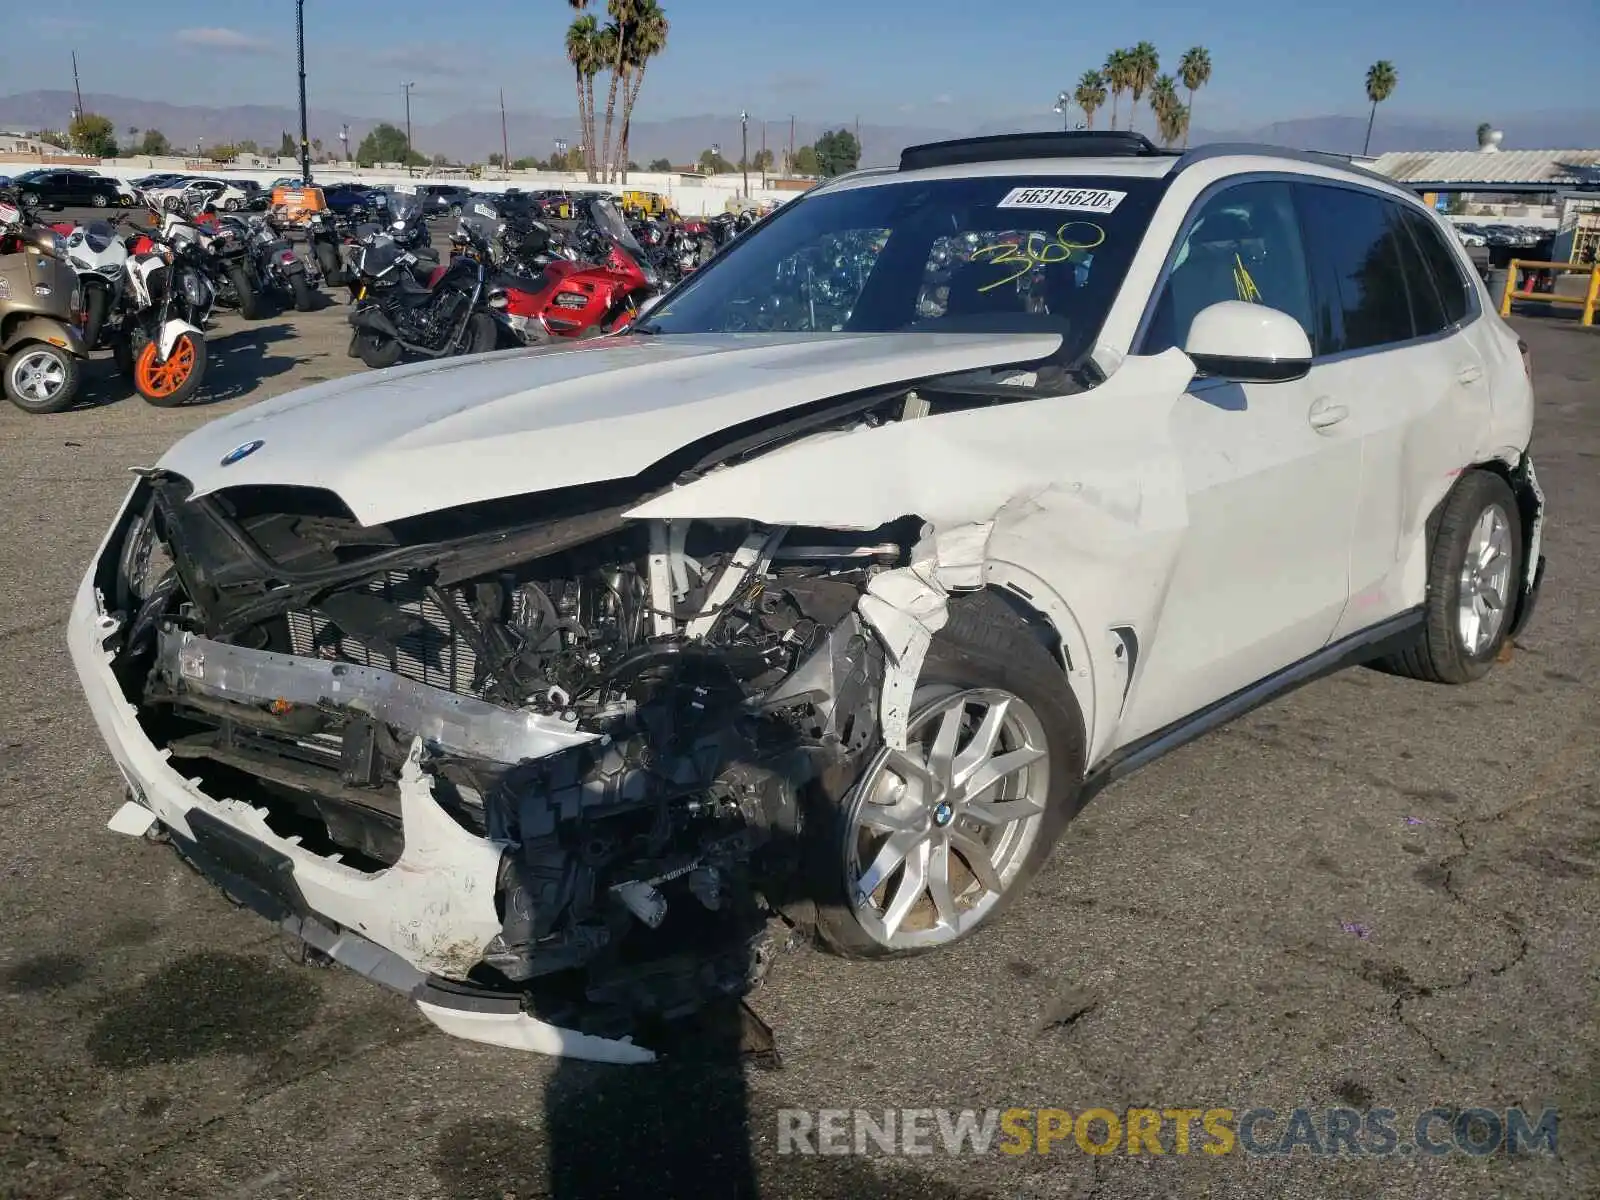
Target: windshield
{"x":973,"y":255}
{"x":610,"y":222}
{"x":403,"y":203}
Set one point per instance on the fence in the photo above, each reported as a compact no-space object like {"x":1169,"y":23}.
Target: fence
{"x":1512,"y":293}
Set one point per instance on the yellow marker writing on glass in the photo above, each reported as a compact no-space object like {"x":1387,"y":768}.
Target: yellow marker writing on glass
{"x":1039,"y":250}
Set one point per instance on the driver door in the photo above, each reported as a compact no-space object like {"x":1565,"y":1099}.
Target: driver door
{"x":1272,"y":480}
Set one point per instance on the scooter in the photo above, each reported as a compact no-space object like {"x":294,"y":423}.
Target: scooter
{"x":41,"y":348}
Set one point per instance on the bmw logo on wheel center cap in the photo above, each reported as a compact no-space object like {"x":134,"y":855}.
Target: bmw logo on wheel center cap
{"x":943,"y":812}
{"x":241,"y":452}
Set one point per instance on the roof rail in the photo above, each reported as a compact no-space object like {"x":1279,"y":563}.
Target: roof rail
{"x":1321,"y":158}
{"x":1007,"y":147}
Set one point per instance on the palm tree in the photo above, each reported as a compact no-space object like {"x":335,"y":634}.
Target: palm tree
{"x":1144,"y":64}
{"x":1090,"y":95}
{"x":1170,"y":114}
{"x":649,"y":39}
{"x":1194,"y":68}
{"x":583,"y":52}
{"x":624,"y":16}
{"x":1116,"y":76}
{"x":1381,"y":80}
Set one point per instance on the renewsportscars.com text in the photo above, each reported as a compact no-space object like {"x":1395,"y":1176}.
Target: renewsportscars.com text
{"x":1377,"y":1132}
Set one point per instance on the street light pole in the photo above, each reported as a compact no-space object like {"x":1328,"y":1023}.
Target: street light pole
{"x":300,"y":49}
{"x":744,"y":149}
{"x":1064,"y":107}
{"x":406,"y":88}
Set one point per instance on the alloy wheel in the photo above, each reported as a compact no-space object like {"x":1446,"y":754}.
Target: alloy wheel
{"x":1485,"y":581}
{"x":38,"y":376}
{"x":939,"y":832}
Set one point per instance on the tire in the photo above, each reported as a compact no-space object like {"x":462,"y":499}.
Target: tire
{"x":483,"y":334}
{"x":230,"y":205}
{"x":122,"y":356}
{"x":328,"y":263}
{"x":305,"y":298}
{"x":377,"y":351}
{"x":986,"y":651}
{"x":171,"y":204}
{"x":41,"y":378}
{"x":249,"y":299}
{"x":1481,"y":502}
{"x":99,"y":200}
{"x":96,"y":303}
{"x":170,"y":384}
{"x":28,"y":199}
{"x":455,"y":210}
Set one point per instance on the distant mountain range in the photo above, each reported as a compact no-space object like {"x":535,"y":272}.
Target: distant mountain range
{"x":474,"y":135}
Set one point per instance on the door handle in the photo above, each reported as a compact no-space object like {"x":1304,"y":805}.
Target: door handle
{"x":1325,"y":415}
{"x":1470,"y":373}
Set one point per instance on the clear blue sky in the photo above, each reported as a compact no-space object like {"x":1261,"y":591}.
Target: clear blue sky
{"x":946,"y":63}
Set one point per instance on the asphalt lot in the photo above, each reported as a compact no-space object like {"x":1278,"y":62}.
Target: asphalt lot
{"x":1373,"y":893}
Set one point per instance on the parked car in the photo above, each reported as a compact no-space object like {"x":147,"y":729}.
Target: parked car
{"x":343,"y":198}
{"x":54,"y":187}
{"x":443,"y":199}
{"x":533,"y":684}
{"x":229,"y":195}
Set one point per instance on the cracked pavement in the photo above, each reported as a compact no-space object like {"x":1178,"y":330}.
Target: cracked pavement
{"x":1373,"y":893}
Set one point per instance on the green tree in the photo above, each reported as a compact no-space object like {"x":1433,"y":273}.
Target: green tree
{"x":53,"y":137}
{"x":495,"y":159}
{"x":762,"y":160}
{"x":1172,"y":115}
{"x":712,"y":162}
{"x":1381,"y":81}
{"x":661,"y":164}
{"x":1194,"y":69}
{"x":1090,"y":95}
{"x":93,"y":135}
{"x":1145,"y":66}
{"x":647,"y":39}
{"x":155,"y":142}
{"x":586,"y":52}
{"x":1118,"y":73}
{"x":806,"y":161}
{"x":838,"y":152}
{"x":222,"y":152}
{"x":533,"y":164}
{"x":286,"y":146}
{"x":386,"y":144}
{"x":247,"y":146}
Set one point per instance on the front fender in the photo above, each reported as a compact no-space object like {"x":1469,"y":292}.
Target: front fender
{"x":52,"y":330}
{"x":171,"y":331}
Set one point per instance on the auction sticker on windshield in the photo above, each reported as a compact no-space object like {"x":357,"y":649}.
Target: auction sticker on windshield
{"x":1095,"y":200}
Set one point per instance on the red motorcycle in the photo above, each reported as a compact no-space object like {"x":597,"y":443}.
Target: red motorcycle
{"x":579,"y":299}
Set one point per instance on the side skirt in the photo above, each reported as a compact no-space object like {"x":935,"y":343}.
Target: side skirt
{"x":1369,"y":644}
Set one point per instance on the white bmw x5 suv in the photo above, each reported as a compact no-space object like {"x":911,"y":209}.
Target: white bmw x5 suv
{"x":540,"y":684}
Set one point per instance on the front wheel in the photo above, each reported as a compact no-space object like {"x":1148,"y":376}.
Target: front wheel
{"x":935,"y":841}
{"x":41,"y":378}
{"x":304,"y":297}
{"x":29,"y":199}
{"x":1474,"y":580}
{"x":174,"y":382}
{"x":230,"y":206}
{"x":99,"y":200}
{"x":244,"y":291}
{"x":376,"y":350}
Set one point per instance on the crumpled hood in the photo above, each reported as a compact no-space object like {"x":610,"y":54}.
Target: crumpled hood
{"x":412,"y":440}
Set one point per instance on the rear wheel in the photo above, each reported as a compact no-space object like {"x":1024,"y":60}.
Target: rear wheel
{"x":100,"y":200}
{"x":28,"y":199}
{"x":175,"y":381}
{"x":96,"y":302}
{"x":933,"y":842}
{"x":304,"y":296}
{"x":482,"y":334}
{"x":230,"y":205}
{"x":1474,"y":579}
{"x":41,"y":378}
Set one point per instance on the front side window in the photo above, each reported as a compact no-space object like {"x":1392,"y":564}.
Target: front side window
{"x":1243,"y":244}
{"x":973,"y":255}
{"x":1363,"y":301}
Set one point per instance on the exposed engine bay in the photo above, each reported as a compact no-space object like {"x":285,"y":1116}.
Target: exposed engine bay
{"x":690,"y":684}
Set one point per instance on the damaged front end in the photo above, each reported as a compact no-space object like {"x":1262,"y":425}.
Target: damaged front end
{"x":560,"y":764}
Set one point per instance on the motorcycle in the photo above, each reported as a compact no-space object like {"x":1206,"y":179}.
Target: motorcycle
{"x":600,"y":293}
{"x":396,"y":315}
{"x":40,"y":304}
{"x":100,"y":259}
{"x":170,"y":296}
{"x":278,"y":268}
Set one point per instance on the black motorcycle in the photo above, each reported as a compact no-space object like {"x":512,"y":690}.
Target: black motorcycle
{"x":397,"y":315}
{"x":279,"y":270}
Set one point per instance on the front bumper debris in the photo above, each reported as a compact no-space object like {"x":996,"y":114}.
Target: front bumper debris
{"x":418,"y":927}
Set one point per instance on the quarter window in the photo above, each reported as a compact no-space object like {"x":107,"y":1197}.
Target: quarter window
{"x":1244,"y":244}
{"x":1363,"y":300}
{"x":1443,"y":265}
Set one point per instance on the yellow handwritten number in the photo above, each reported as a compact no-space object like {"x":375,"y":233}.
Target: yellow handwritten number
{"x":1039,"y":250}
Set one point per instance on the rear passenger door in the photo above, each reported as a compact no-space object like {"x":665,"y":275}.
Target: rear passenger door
{"x":1391,"y":351}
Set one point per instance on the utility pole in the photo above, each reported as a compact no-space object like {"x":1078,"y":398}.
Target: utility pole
{"x":300,"y":46}
{"x":744,"y":149}
{"x":763,"y":156}
{"x":789,"y":167}
{"x":77,"y":91}
{"x":406,"y":88}
{"x":505,"y":145}
{"x":858,"y":140}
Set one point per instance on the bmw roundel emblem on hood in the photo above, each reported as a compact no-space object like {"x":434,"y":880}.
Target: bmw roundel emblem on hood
{"x":240,"y":452}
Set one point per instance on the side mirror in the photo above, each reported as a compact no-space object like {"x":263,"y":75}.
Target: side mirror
{"x":1248,"y":343}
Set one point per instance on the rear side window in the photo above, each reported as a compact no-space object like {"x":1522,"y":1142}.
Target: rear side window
{"x":1427,"y":310}
{"x":1363,"y":300}
{"x":1448,"y":277}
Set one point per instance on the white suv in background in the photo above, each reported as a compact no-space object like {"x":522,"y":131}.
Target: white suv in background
{"x":837,"y":585}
